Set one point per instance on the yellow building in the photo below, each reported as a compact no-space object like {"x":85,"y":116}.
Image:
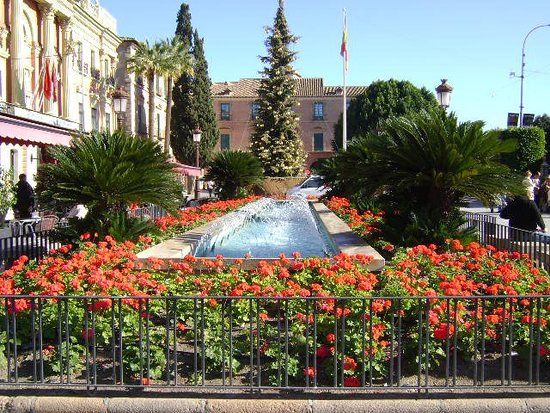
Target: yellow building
{"x":67,"y":50}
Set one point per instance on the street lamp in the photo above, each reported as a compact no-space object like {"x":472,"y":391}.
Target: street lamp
{"x":197,"y":133}
{"x":523,"y":70}
{"x":120,"y":101}
{"x":444,"y":91}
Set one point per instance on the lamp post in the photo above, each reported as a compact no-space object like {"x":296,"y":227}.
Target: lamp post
{"x":120,"y":101}
{"x":444,"y":91}
{"x":197,"y":133}
{"x":523,"y":70}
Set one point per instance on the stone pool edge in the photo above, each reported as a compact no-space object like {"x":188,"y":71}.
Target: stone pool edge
{"x":175,"y":249}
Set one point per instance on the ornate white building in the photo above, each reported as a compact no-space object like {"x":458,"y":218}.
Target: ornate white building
{"x":68,"y":50}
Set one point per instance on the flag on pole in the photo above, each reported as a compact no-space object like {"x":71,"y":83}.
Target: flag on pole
{"x":344,"y":47}
{"x":47,"y":87}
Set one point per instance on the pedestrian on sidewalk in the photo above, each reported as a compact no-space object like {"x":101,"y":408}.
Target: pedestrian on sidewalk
{"x":528,"y":185}
{"x":537,"y":181}
{"x":523,"y":214}
{"x":543,"y":195}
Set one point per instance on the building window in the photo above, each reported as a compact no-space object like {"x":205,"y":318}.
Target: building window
{"x":225,"y":113}
{"x":158,"y":125}
{"x":318,"y":142}
{"x":81,"y":115}
{"x":142,"y":126}
{"x":95,"y":119}
{"x":107,"y":71}
{"x":108,"y":122}
{"x":92,"y":59}
{"x":225,"y":142}
{"x":318,"y":111}
{"x":14,"y":164}
{"x":254,"y":110}
{"x":80,"y":58}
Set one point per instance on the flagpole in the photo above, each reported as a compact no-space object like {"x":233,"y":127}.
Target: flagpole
{"x":344,"y":102}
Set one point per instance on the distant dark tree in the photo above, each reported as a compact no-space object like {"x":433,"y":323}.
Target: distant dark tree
{"x":276,"y":140}
{"x":193,"y":103}
{"x":543,"y":122}
{"x":531,"y":148}
{"x":382,"y":100}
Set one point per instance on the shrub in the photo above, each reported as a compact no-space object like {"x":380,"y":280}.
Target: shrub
{"x":419,"y":168}
{"x":530,"y":151}
{"x":234,"y":173}
{"x":107,"y":173}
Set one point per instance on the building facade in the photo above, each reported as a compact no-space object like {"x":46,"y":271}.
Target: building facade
{"x":319,"y":108}
{"x":60,"y":62}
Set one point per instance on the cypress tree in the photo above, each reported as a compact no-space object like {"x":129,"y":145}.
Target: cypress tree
{"x":192,"y":96}
{"x":276,"y":139}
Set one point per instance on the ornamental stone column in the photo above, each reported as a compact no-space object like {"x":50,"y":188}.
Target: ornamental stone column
{"x":67,"y":67}
{"x":48,"y":51}
{"x":16,"y":50}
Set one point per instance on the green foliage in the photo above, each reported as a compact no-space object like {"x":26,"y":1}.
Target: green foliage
{"x":123,"y":228}
{"x":531,"y":144}
{"x":276,"y":140}
{"x":382,"y":100}
{"x":234,"y":173}
{"x":192,"y":96}
{"x":543,"y":122}
{"x":108,"y":172}
{"x":7,"y":195}
{"x":421,"y":166}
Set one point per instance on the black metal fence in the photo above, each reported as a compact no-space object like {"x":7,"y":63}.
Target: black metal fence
{"x":150,"y":212}
{"x":256,"y":343}
{"x":35,"y":245}
{"x":535,"y":244}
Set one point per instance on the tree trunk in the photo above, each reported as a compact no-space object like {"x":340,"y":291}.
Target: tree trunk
{"x":151,"y":129}
{"x":167,"y":128}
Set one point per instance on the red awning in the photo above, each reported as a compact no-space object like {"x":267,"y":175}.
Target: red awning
{"x":187,"y":170}
{"x":18,"y":131}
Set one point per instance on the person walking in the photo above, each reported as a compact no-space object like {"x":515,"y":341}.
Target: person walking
{"x":537,"y":182}
{"x":528,"y":185}
{"x":543,"y":195}
{"x":522,"y":214}
{"x":24,"y":195}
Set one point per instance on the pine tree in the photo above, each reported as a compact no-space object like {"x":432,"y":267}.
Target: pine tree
{"x":192,"y":96}
{"x":276,"y":140}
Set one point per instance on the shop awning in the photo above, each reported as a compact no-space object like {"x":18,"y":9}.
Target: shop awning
{"x":187,"y":170}
{"x":22,"y":132}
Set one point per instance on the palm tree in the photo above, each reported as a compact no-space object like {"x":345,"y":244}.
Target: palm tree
{"x":148,"y":61}
{"x":108,"y":172}
{"x":234,"y":173}
{"x":177,"y":61}
{"x":425,"y":164}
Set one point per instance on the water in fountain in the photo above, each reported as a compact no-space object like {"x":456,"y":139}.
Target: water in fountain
{"x":266,"y":228}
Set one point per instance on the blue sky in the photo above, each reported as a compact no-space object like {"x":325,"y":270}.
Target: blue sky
{"x":473,"y":43}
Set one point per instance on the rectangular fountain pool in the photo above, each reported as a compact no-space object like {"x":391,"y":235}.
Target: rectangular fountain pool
{"x":267,"y":228}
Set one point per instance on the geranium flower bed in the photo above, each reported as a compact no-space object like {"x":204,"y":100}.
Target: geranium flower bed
{"x":310,"y":321}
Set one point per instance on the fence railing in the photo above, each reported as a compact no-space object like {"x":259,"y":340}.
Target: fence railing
{"x":535,"y":244}
{"x":358,"y":343}
{"x":150,"y":211}
{"x":35,"y":245}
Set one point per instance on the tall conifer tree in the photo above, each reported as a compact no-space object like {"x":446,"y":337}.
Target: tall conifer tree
{"x":192,"y":97}
{"x":276,"y":140}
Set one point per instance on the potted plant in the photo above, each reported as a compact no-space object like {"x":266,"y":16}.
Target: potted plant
{"x":7,"y":195}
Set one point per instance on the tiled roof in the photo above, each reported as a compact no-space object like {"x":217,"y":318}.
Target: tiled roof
{"x":307,"y":87}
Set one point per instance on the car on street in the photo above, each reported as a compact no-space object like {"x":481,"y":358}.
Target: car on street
{"x":313,"y":186}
